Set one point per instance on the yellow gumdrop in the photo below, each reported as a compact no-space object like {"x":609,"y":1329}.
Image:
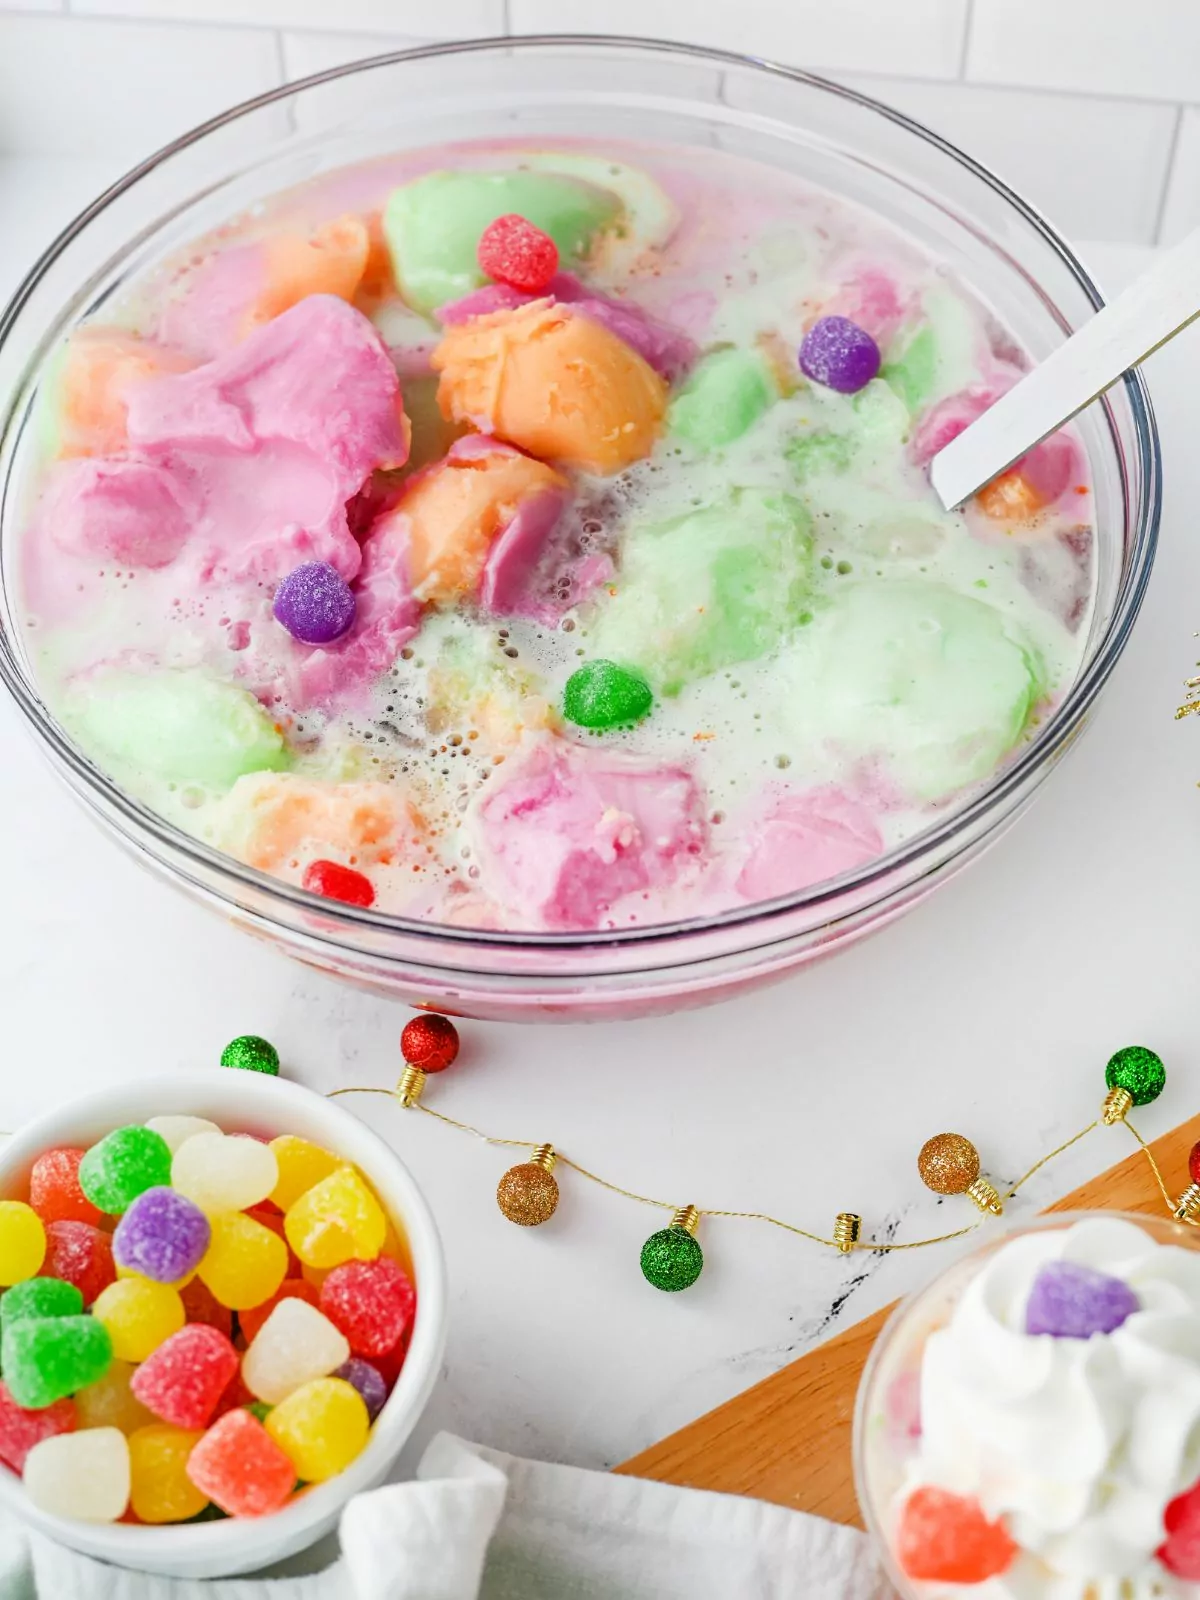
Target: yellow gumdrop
{"x":321,"y":1427}
{"x":245,"y":1263}
{"x":108,"y":1403}
{"x":139,"y":1316}
{"x":337,"y":1220}
{"x":131,"y":1272}
{"x":301,"y":1164}
{"x":159,"y":1487}
{"x":22,"y":1242}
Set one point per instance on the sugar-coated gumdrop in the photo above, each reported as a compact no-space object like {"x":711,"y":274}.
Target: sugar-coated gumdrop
{"x":202,"y":1305}
{"x":234,"y":1394}
{"x":270,"y":1217}
{"x":54,"y":1191}
{"x":315,"y":603}
{"x":839,"y":354}
{"x":391,"y":1365}
{"x":369,"y":1382}
{"x":337,"y":1220}
{"x":513,"y":251}
{"x":372,"y":1302}
{"x":321,"y":1427}
{"x":185,"y":1377}
{"x":82,"y":1475}
{"x":296,"y":1344}
{"x":177,"y":1129}
{"x":429,"y":1041}
{"x":21,"y":1429}
{"x":301,"y":1164}
{"x":241,"y":1468}
{"x":159,"y":1487}
{"x":335,"y":882}
{"x":1180,"y":1550}
{"x":80,"y":1254}
{"x":40,"y":1297}
{"x":126,"y":1162}
{"x":945,"y":1538}
{"x":48,"y":1358}
{"x":259,"y":1409}
{"x":245,"y":1263}
{"x":224,"y":1172}
{"x":290,"y":1289}
{"x":601,"y":694}
{"x":22,"y":1241}
{"x":109,"y":1402}
{"x":163,"y":1235}
{"x":251,"y":1053}
{"x":1071,"y":1301}
{"x":139,"y":1316}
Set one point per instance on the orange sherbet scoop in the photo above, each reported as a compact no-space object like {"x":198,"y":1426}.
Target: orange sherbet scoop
{"x":555,"y":383}
{"x":98,"y":368}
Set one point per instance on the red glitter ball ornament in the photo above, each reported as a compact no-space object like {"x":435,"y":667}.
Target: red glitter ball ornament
{"x":1180,"y":1551}
{"x":430,"y":1042}
{"x":335,"y":882}
{"x":1194,"y":1163}
{"x":511,"y":250}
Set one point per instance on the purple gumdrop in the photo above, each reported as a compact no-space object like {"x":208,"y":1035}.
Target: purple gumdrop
{"x":839,"y":354}
{"x":369,"y":1382}
{"x":163,"y":1235}
{"x":1071,"y":1301}
{"x":315,"y":603}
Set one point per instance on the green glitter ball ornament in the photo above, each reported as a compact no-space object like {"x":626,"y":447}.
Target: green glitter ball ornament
{"x":251,"y":1054}
{"x":1138,"y":1071}
{"x":672,"y":1258}
{"x":603,"y":695}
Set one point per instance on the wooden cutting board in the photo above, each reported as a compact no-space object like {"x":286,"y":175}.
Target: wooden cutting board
{"x":788,"y":1438}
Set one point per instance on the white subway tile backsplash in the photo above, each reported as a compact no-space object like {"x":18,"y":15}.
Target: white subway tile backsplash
{"x":1095,"y":167}
{"x":918,"y":36}
{"x":459,"y":19}
{"x":1150,"y":48}
{"x":305,"y":53}
{"x":1182,"y":211}
{"x":34,"y":5}
{"x":85,"y":87}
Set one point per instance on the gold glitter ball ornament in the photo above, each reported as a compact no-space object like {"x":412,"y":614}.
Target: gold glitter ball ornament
{"x":948,"y":1163}
{"x":527,"y":1194}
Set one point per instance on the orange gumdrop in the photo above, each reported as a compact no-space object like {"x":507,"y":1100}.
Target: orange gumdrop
{"x":1010,"y":498}
{"x":330,"y":261}
{"x":99,"y":366}
{"x":554,"y":383}
{"x":945,"y":1538}
{"x":279,"y":818}
{"x":454,"y":510}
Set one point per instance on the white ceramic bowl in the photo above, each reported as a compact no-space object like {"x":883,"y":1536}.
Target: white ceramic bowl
{"x":252,"y":1103}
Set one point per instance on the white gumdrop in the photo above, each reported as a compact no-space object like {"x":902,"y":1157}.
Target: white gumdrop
{"x":296,"y":1344}
{"x":224,"y":1172}
{"x":83,"y":1476}
{"x":176,"y":1130}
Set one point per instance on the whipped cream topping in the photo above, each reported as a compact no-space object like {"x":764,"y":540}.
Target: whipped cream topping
{"x":1079,"y":1444}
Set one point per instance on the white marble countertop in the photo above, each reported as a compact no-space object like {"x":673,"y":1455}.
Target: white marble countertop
{"x":991,"y":1010}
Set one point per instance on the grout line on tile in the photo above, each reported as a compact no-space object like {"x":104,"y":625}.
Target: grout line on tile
{"x":1093,"y":96}
{"x":968,"y":23}
{"x":506,"y":17}
{"x":1168,"y":174}
{"x":280,"y":59}
{"x":209,"y":24}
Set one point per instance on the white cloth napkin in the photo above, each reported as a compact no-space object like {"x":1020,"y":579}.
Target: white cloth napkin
{"x":478,"y":1525}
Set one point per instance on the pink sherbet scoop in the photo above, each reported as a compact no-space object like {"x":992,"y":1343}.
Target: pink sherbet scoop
{"x":805,"y":838}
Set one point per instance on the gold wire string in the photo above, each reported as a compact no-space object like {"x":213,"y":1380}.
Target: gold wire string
{"x":882,"y":1246}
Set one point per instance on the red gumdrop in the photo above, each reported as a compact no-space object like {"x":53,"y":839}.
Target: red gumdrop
{"x":390,"y":1365}
{"x":429,"y":1041}
{"x":240,"y":1468}
{"x":54,"y":1191}
{"x":1180,"y":1550}
{"x":20,"y":1430}
{"x":511,"y":250}
{"x":271,"y":1217}
{"x":335,"y":882}
{"x":182,"y":1381}
{"x":202,"y":1306}
{"x":945,"y":1538}
{"x":296,"y":1288}
{"x":80,"y":1254}
{"x":1194,"y":1163}
{"x":371,"y":1302}
{"x":234,"y":1395}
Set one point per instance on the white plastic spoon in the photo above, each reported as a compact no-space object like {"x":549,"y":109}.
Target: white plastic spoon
{"x":1152,"y":310}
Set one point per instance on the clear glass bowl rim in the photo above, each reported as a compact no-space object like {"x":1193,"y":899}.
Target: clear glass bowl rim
{"x":923,"y":846}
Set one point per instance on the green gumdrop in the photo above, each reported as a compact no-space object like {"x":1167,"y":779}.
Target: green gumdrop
{"x":126,"y":1162}
{"x":723,"y":398}
{"x":40,"y":1297}
{"x":911,"y":375}
{"x":810,"y":454}
{"x":709,"y":589}
{"x":938,"y":684}
{"x":259,"y":1409}
{"x":603,"y":695}
{"x":432,"y":226}
{"x":48,"y":1358}
{"x":182,"y":727}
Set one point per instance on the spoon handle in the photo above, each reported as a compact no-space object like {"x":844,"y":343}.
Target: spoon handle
{"x":1154,"y":308}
